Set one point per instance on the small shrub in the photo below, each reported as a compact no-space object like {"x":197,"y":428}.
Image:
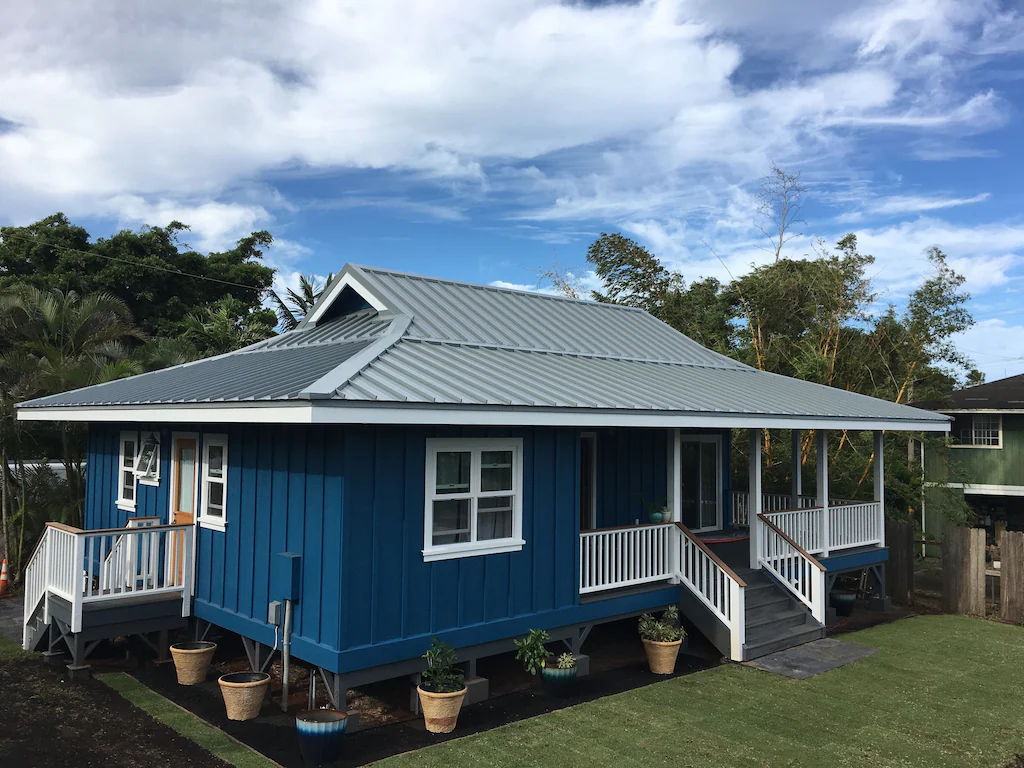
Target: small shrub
{"x":663,"y":630}
{"x":441,"y":674}
{"x":531,"y":651}
{"x":566,"y":661}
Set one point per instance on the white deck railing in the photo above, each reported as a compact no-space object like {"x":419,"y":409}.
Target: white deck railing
{"x":714,"y":584}
{"x":793,"y":566}
{"x":85,"y":567}
{"x":611,"y":558}
{"x":850,"y":525}
{"x":770,"y":502}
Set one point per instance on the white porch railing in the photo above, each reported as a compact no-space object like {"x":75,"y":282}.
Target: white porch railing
{"x":86,"y":567}
{"x":714,"y":584}
{"x":794,"y":567}
{"x":850,"y":525}
{"x":770,"y":502}
{"x":611,"y":558}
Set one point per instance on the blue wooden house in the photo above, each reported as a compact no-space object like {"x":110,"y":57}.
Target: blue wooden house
{"x":440,"y":458}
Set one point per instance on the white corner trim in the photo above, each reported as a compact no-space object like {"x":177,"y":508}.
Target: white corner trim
{"x":346,"y":280}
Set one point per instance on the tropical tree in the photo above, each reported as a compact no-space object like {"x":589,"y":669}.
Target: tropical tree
{"x":296,"y":304}
{"x":219,"y":329}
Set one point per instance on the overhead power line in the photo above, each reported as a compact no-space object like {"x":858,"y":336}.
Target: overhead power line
{"x":134,"y":263}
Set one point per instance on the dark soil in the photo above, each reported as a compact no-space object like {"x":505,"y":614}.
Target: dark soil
{"x":388,"y":726}
{"x":51,"y":721}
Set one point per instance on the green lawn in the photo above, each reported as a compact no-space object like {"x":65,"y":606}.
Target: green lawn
{"x":944,"y":691}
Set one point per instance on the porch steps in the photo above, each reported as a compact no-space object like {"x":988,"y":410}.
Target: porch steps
{"x":774,"y":620}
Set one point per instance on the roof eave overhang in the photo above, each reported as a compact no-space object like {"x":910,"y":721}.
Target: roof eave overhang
{"x":340,"y":412}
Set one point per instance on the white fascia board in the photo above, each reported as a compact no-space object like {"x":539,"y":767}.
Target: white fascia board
{"x":981,"y":489}
{"x":982,"y":410}
{"x":312,"y":412}
{"x":259,"y":413}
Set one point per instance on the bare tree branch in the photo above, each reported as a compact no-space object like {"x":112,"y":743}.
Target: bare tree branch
{"x":779,"y":204}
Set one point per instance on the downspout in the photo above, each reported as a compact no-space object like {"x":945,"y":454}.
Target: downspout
{"x":286,"y":652}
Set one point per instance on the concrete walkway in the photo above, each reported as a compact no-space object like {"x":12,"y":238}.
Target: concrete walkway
{"x":812,"y":659}
{"x":11,"y":610}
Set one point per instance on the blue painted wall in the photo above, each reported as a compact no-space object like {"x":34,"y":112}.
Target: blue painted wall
{"x":350,"y":500}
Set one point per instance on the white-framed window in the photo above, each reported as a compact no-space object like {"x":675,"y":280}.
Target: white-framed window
{"x":474,"y":497}
{"x":978,"y":430}
{"x":127,"y":488}
{"x":214,"y":489}
{"x":147,"y":462}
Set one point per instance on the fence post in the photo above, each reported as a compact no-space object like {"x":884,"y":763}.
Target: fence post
{"x":880,"y":484}
{"x":963,"y":571}
{"x":899,"y":568}
{"x":1011,"y":576}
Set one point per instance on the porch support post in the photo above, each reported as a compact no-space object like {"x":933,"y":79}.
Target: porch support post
{"x":880,"y":485}
{"x":754,"y":492}
{"x":796,"y":489}
{"x":822,"y":436}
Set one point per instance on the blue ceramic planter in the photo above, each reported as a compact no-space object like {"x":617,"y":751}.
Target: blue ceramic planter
{"x":321,"y":734}
{"x":558,"y":682}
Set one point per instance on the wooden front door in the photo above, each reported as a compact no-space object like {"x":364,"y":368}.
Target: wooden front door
{"x":184,"y":466}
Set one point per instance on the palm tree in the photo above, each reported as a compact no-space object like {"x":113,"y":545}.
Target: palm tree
{"x":216,"y":330}
{"x":53,"y":341}
{"x":297,"y":304}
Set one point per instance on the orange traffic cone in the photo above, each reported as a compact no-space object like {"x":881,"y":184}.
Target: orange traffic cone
{"x":4,"y":586}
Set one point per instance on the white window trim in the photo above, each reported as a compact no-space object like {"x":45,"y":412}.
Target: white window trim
{"x":999,"y":443}
{"x":153,"y":479}
{"x":472,"y":445}
{"x":127,"y":505}
{"x":205,"y":521}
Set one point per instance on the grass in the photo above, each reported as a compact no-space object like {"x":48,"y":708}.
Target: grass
{"x":11,"y":651}
{"x":202,"y":733}
{"x":944,"y":691}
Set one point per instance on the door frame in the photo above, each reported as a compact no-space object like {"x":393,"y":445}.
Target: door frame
{"x":175,"y":437}
{"x":675,"y":474}
{"x":173,"y":476}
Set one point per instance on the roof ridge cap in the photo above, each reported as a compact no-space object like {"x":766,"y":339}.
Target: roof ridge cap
{"x":570,"y":353}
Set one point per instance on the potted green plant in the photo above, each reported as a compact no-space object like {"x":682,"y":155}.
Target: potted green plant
{"x":442,"y":688}
{"x":557,"y":676}
{"x":662,"y":639}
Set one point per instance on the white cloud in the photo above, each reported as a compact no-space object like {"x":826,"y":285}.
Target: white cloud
{"x":919,"y":204}
{"x":996,"y":346}
{"x":214,"y":226}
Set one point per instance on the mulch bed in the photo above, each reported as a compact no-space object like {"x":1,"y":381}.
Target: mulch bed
{"x":51,"y":721}
{"x":389,"y":728}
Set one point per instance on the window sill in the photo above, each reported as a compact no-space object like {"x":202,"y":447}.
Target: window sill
{"x":455,"y":551}
{"x":151,"y":481}
{"x":125,"y":506}
{"x":213,"y":525}
{"x":981,"y":447}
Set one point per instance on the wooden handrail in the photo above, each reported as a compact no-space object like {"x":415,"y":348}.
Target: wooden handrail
{"x":625,"y":527}
{"x":792,"y":543}
{"x":707,"y":551}
{"x":112,"y":531}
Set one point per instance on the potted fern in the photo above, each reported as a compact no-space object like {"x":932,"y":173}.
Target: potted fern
{"x":558,"y":675}
{"x":662,"y":639}
{"x":442,"y":688}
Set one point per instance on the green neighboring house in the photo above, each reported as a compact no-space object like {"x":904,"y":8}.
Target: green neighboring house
{"x":985,"y":458}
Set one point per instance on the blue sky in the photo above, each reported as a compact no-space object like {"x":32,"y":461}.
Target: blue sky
{"x":481,"y":140}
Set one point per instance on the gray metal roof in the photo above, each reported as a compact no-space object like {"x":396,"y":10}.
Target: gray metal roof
{"x":439,"y":342}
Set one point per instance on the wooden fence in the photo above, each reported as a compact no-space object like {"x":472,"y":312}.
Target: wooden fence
{"x":963,"y":571}
{"x":1011,"y":576}
{"x":899,"y":568}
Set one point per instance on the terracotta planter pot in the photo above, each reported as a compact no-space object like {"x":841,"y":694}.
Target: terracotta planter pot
{"x":662,"y":656}
{"x":321,"y":734}
{"x":243,"y":693}
{"x":440,"y":710}
{"x":192,"y":661}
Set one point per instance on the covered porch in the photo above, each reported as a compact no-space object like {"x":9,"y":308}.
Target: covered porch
{"x":725,"y":546}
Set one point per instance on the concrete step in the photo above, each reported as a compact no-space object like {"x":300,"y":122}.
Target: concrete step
{"x":759,"y":644}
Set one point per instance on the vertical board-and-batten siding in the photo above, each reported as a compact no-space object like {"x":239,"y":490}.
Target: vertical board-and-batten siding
{"x":350,"y":501}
